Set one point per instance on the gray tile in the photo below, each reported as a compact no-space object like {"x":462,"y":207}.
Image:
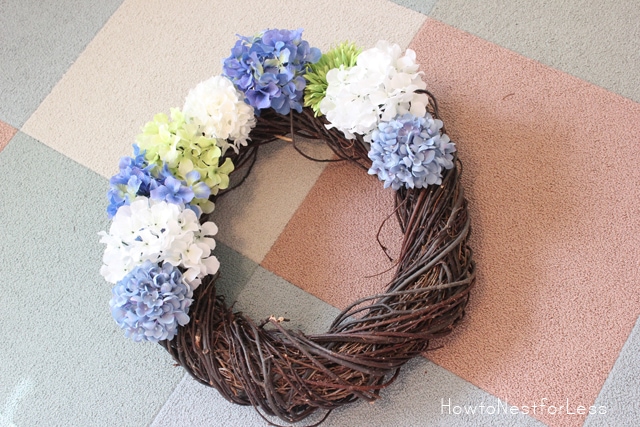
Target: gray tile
{"x":594,"y":40}
{"x":618,"y":403}
{"x":63,"y":360}
{"x":235,"y":271}
{"x":422,"y":395}
{"x":266,"y":294}
{"x":427,"y":395}
{"x":40,"y":40}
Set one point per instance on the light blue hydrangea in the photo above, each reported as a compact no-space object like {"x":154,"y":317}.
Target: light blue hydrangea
{"x":150,"y":302}
{"x":410,"y":151}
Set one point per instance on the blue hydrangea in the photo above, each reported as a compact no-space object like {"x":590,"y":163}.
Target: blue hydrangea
{"x":133,"y":179}
{"x":170,"y":189}
{"x":269,"y":69}
{"x":150,"y":302}
{"x":138,"y":178}
{"x":410,"y":151}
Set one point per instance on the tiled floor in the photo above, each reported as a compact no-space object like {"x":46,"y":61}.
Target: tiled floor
{"x":542,"y":101}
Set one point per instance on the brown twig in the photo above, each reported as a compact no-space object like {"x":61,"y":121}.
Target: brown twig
{"x":291,"y":375}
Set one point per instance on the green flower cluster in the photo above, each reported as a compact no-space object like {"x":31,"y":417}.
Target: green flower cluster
{"x":345,"y":54}
{"x":182,"y":147}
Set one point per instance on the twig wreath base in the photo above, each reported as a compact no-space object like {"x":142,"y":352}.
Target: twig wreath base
{"x":289,"y":374}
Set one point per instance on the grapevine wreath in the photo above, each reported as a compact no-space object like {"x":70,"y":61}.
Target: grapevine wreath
{"x":371,"y":108}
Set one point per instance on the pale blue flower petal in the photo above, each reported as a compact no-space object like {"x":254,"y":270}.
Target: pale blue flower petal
{"x":410,"y":151}
{"x":146,"y":303}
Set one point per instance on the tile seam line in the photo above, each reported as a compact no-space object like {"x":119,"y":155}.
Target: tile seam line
{"x":67,"y":71}
{"x":66,"y":158}
{"x":295,"y":212}
{"x":173,"y":391}
{"x":13,"y":132}
{"x":426,"y":14}
{"x":423,"y":355}
{"x":526,"y":58}
{"x":622,"y":349}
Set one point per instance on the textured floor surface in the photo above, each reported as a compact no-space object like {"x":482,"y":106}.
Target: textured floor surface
{"x":542,"y":99}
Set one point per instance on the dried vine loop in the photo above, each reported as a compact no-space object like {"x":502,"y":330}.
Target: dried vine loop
{"x":288,"y":374}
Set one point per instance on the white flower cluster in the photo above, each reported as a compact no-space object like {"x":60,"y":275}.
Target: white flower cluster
{"x":378,"y":88}
{"x":219,"y":108}
{"x":159,"y":232}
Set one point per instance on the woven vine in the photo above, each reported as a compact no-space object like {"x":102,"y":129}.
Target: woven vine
{"x":289,"y":374}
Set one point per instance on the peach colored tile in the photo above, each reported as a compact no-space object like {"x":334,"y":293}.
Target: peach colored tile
{"x":329,"y":246}
{"x":551,"y":174}
{"x":6,"y":133}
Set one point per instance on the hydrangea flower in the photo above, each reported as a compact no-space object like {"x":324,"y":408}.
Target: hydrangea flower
{"x":410,"y":151}
{"x":133,"y":179}
{"x":150,"y":302}
{"x":139,"y":178}
{"x":160,"y":232}
{"x":183,"y":149}
{"x":219,"y":108}
{"x":379,"y":87}
{"x":269,"y":69}
{"x":172,"y":191}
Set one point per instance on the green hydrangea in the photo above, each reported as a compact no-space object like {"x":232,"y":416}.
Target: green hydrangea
{"x":344,"y":54}
{"x":183,"y":148}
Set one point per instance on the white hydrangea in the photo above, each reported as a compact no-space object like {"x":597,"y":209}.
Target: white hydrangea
{"x":160,"y":232}
{"x":379,"y":87}
{"x":219,"y":108}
